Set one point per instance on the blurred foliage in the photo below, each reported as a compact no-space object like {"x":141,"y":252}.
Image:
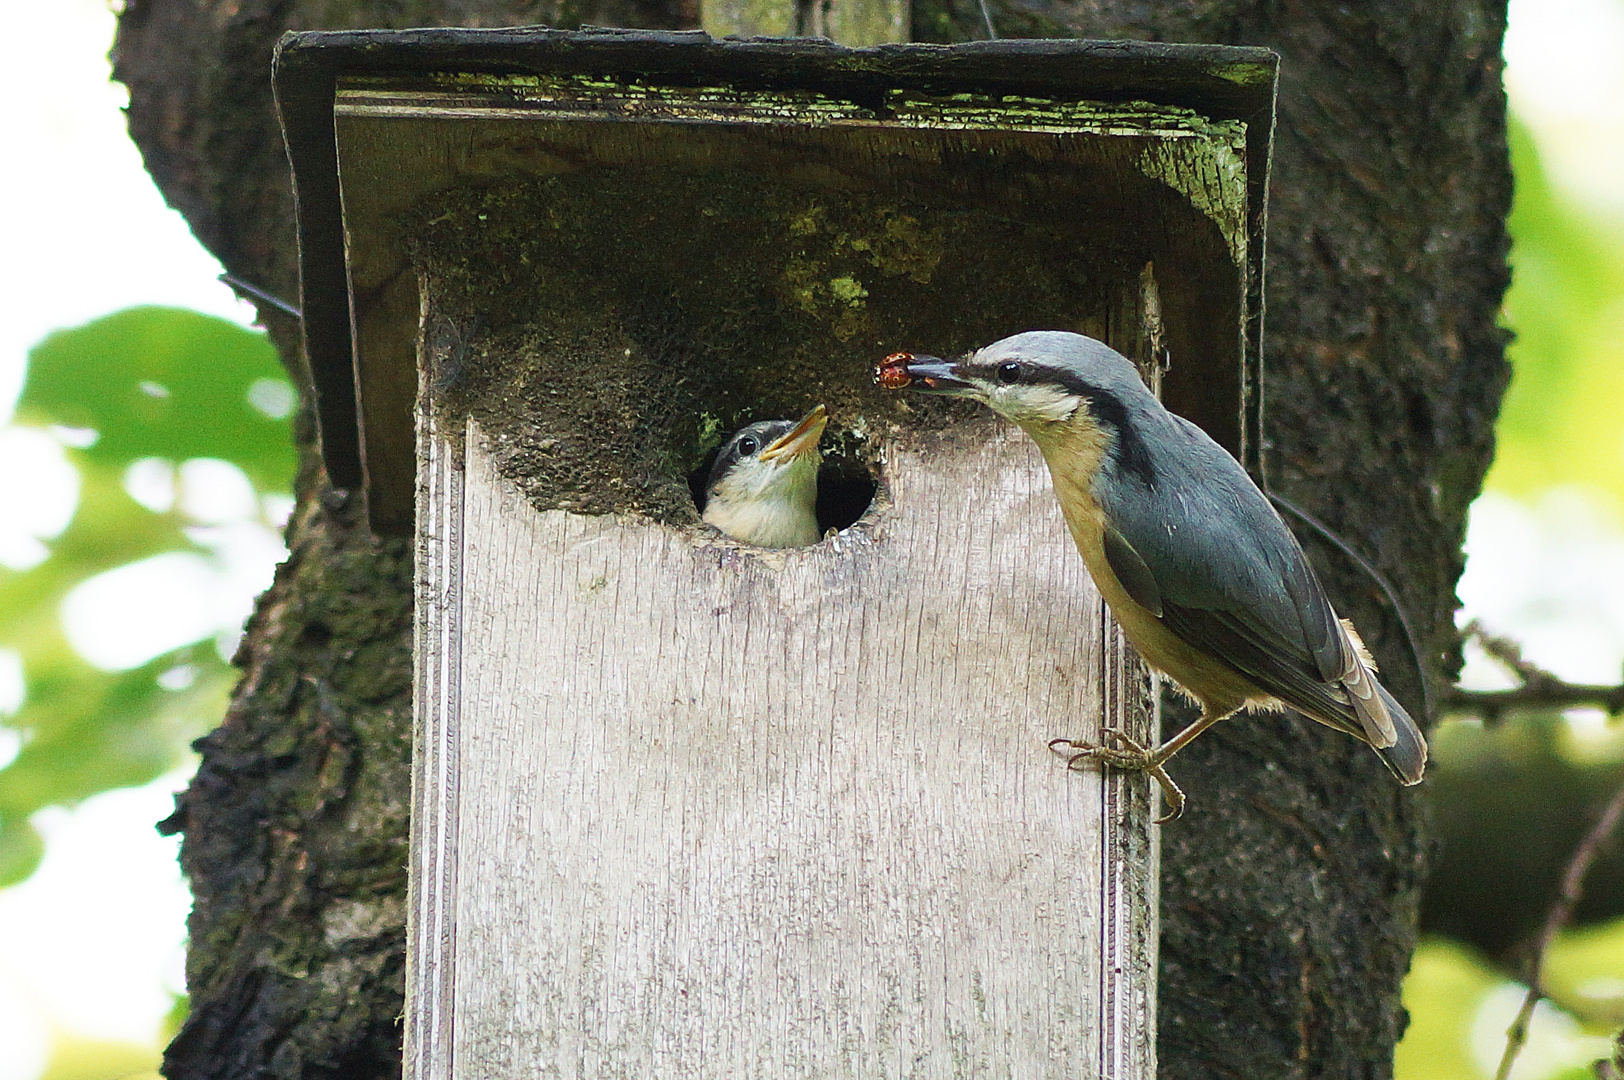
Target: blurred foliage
{"x":149,"y":382}
{"x":78,"y":1058}
{"x":1460,"y":1006}
{"x":1511,"y":802}
{"x":1584,"y":974}
{"x":161,"y":382}
{"x":1563,"y":418}
{"x":1445,"y":988}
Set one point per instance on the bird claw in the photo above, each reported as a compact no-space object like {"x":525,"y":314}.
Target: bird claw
{"x":1130,"y":756}
{"x":1172,"y":794}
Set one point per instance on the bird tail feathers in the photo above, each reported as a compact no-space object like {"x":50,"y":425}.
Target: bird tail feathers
{"x":1358,"y":679}
{"x":1407,"y":757}
{"x":1386,"y":724}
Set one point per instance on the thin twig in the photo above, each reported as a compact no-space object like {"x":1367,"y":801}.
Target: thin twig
{"x":1559,"y":916}
{"x":1507,"y":651}
{"x":1381,"y":582}
{"x":248,"y":288}
{"x":1612,"y":1068}
{"x":992,"y":35}
{"x":1492,"y":704}
{"x":1539,"y":690}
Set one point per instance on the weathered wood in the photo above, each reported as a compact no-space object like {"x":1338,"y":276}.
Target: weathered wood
{"x":437,"y":675}
{"x":1102,"y":155}
{"x":691,"y":809}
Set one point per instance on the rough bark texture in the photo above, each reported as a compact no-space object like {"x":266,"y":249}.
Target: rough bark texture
{"x":1291,"y":890}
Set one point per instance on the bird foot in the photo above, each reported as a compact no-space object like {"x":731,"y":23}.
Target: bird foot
{"x":1129,"y":755}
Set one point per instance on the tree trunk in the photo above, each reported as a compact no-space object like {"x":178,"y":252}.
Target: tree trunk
{"x":1289,"y":892}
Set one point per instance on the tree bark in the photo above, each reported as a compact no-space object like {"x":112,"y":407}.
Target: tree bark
{"x":1289,"y":893}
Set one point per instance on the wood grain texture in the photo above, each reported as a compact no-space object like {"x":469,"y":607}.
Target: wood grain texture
{"x":437,"y":656}
{"x":708,"y":811}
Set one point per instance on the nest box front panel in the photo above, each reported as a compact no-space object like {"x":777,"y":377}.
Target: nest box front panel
{"x":690,"y":808}
{"x":693,"y":809}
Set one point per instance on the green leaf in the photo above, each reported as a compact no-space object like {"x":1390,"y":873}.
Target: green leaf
{"x":151,"y":382}
{"x":162,"y":382}
{"x":21,"y":849}
{"x":1560,"y":422}
{"x":92,"y":731}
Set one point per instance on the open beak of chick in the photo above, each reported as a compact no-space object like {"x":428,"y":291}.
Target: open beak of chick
{"x":801,"y":439}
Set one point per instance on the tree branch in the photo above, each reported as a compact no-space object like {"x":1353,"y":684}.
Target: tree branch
{"x":1560,"y":914}
{"x":1612,"y":1068}
{"x":1539,"y":690}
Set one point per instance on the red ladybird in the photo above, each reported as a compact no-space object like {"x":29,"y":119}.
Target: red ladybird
{"x":892,"y":372}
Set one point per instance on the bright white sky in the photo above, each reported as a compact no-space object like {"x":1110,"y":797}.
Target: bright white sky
{"x":1565,"y":75}
{"x":88,"y":233}
{"x":92,"y":942}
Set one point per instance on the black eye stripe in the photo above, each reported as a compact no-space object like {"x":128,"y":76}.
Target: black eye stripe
{"x":1008,"y":372}
{"x":1127,"y":447}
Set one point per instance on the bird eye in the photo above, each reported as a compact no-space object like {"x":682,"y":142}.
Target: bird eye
{"x":748,"y":445}
{"x":1009,"y":372}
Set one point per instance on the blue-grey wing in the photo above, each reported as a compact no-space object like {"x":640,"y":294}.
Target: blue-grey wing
{"x":1230,"y":578}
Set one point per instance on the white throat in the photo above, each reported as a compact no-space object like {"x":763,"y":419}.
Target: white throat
{"x":766,"y":504}
{"x":1030,"y":405}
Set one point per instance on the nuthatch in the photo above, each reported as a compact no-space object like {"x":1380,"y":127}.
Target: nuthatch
{"x":1203,"y":576}
{"x":763,"y":489}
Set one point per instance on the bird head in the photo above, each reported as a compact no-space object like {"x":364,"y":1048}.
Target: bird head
{"x":1037,"y":379}
{"x":763,"y":488}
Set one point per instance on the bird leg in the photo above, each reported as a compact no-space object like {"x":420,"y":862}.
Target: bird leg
{"x":1128,"y":754}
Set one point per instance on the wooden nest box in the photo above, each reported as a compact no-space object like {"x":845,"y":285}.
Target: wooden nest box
{"x":686,"y":808}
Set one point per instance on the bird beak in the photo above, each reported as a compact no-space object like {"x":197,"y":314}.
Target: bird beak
{"x":803,"y":439}
{"x":931,"y":374}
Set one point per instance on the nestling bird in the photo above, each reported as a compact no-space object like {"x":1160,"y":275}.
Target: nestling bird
{"x":1203,"y":576}
{"x":763,"y":489}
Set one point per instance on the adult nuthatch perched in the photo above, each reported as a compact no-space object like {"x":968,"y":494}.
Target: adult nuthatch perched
{"x":1203,"y":576}
{"x":763,"y":489}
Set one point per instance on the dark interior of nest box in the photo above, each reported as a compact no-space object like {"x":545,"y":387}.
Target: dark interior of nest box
{"x":608,"y":291}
